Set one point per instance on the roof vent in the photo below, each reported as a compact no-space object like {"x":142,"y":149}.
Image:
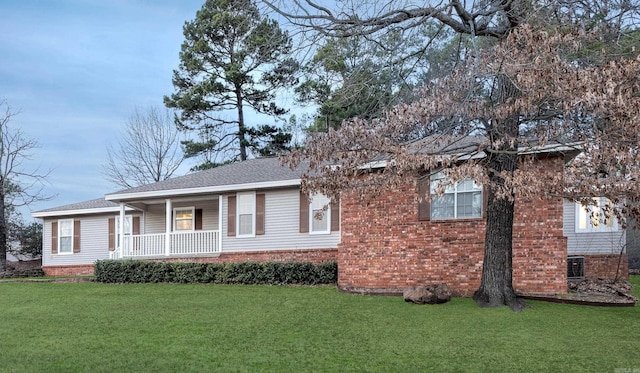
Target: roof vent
{"x":575,"y":267}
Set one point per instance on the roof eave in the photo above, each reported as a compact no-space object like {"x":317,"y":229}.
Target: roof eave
{"x":100,"y":210}
{"x":202,"y":190}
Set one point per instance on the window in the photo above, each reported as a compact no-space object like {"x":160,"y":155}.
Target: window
{"x":460,"y":201}
{"x":65,"y":236}
{"x":128,"y":228}
{"x":319,"y":214}
{"x":246,"y":214}
{"x":183,"y":219}
{"x":598,"y":217}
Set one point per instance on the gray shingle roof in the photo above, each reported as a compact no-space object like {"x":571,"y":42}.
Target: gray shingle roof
{"x":247,"y":172}
{"x":97,"y":203}
{"x":251,"y":171}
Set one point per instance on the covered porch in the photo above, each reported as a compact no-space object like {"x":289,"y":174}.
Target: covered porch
{"x":169,"y":228}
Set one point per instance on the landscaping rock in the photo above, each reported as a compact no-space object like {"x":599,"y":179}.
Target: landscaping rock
{"x":429,"y":294}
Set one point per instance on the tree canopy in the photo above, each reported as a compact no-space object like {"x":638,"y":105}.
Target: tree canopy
{"x":232,"y":58}
{"x":532,"y":77}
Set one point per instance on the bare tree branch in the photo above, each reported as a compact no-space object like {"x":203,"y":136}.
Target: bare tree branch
{"x":147,"y":152}
{"x":18,"y":187}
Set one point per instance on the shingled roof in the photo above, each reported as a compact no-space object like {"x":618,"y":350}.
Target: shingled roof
{"x":253,"y":171}
{"x":98,"y":204}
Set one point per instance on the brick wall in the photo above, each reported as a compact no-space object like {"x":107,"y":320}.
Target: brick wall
{"x":68,"y":270}
{"x":606,"y":266}
{"x":308,"y":255}
{"x":384,"y":248}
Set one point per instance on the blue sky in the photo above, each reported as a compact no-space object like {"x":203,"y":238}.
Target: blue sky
{"x":76,"y":70}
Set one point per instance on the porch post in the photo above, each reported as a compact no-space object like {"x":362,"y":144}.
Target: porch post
{"x":220,"y":223}
{"x":167,"y":229}
{"x":121,"y":231}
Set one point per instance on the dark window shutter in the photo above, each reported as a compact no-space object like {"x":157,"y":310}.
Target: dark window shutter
{"x":198,"y":218}
{"x":76,"y":236}
{"x":424,"y":207}
{"x":335,"y":215}
{"x":112,"y":234}
{"x":260,"y":214}
{"x":231,"y":216}
{"x":304,"y":213}
{"x":135,"y":222}
{"x":54,"y":237}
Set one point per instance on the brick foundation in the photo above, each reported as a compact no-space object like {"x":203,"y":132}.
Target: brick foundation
{"x":68,"y":270}
{"x":308,"y":255}
{"x":606,"y":266}
{"x":385,"y":248}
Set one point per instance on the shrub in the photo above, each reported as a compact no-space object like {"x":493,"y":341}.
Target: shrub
{"x":246,"y":273}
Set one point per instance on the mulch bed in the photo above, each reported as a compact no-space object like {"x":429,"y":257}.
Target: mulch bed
{"x":595,"y":292}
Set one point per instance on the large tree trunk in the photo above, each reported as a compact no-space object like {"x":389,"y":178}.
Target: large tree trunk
{"x":496,"y":287}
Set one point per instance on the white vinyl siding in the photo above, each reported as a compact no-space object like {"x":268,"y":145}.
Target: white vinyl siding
{"x":282,"y":223}
{"x":593,"y":242}
{"x":94,"y":235}
{"x":155,"y":215}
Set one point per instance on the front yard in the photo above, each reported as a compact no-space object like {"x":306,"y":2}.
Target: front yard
{"x":90,"y":327}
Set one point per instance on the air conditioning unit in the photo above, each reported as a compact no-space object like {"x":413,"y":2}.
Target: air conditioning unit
{"x":575,"y":267}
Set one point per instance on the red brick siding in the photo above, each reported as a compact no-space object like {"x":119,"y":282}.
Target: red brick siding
{"x":309,"y":255}
{"x":68,"y":270}
{"x":384,"y":248}
{"x":606,"y":266}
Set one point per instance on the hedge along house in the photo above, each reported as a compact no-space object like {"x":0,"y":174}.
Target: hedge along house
{"x":254,"y":210}
{"x":250,"y":210}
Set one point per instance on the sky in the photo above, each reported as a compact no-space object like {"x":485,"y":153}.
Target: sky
{"x":75,"y":70}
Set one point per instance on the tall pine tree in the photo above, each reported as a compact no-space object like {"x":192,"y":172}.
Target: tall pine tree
{"x":232,"y":58}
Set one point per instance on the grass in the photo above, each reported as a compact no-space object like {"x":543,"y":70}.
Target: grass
{"x":89,"y":327}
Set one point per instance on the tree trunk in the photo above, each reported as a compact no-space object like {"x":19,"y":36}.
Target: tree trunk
{"x":3,"y":235}
{"x":242,"y":129}
{"x":496,"y":288}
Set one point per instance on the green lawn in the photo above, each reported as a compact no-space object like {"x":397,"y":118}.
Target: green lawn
{"x":89,"y":327}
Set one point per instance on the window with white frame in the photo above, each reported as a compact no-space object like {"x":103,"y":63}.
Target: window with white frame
{"x":596,"y":217}
{"x":246,"y":214}
{"x":128,"y":228}
{"x":461,"y":200}
{"x":65,"y":236}
{"x":183,"y":219}
{"x":319,"y":214}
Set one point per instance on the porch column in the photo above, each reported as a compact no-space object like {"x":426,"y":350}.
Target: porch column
{"x":121,"y":231}
{"x":167,"y":229}
{"x":220,"y":223}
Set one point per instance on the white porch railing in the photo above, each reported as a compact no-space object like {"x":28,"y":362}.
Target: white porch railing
{"x":149,"y":245}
